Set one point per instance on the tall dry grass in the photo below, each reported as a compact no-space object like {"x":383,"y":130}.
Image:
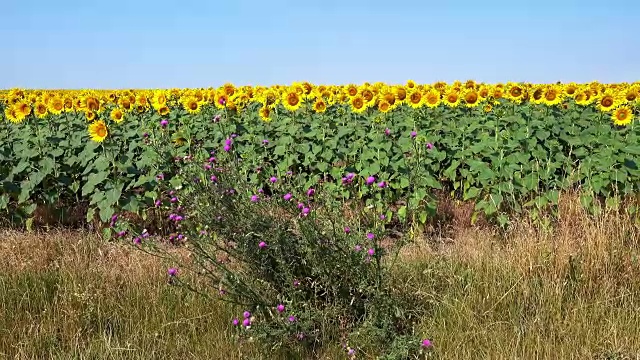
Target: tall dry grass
{"x":571,"y":291}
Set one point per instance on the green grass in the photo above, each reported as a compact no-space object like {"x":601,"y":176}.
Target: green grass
{"x":569,"y":293}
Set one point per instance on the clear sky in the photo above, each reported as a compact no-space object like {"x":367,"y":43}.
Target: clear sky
{"x":183,"y":43}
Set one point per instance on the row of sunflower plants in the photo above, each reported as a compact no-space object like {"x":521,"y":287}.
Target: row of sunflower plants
{"x":516,"y":156}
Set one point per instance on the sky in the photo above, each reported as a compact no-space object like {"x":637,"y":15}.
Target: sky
{"x":181,"y":43}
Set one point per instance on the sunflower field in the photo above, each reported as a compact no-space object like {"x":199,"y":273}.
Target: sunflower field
{"x":506,"y":147}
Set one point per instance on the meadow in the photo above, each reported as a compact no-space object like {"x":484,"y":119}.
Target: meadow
{"x":462,"y":220}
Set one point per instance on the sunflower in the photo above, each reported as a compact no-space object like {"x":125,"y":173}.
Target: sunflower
{"x":622,"y":116}
{"x":400,"y":92}
{"x":551,"y":95}
{"x":265,"y":113}
{"x":320,"y":106}
{"x":607,"y":101}
{"x":483,"y":92}
{"x":163,"y":110}
{"x":56,"y":105}
{"x":125,"y":103}
{"x":90,"y":115}
{"x":270,"y":98}
{"x":432,"y":98}
{"x":415,"y":99}
{"x":451,"y":98}
{"x":487,"y":108}
{"x":411,"y":84}
{"x":571,"y":89}
{"x":191,"y":104}
{"x":228,"y":89}
{"x":537,"y":96}
{"x":515,"y":92}
{"x":292,"y":100}
{"x":40,"y":109}
{"x":222,"y":100}
{"x":632,"y":93}
{"x":22,"y":109}
{"x":384,"y":106}
{"x":98,"y":131}
{"x":358,"y":104}
{"x":367,"y":95}
{"x":583,"y":97}
{"x":471,"y":98}
{"x":117,"y":115}
{"x":470,"y":84}
{"x":12,"y":115}
{"x":92,"y":103}
{"x":352,"y":90}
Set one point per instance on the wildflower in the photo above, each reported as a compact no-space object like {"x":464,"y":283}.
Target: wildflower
{"x":260,"y":191}
{"x":414,"y":134}
{"x":164,"y":123}
{"x":351,"y":351}
{"x":382,"y":184}
{"x":292,"y":318}
{"x":280,"y":308}
{"x":122,"y":233}
{"x":265,"y":141}
{"x":305,"y":211}
{"x":160,"y":177}
{"x":300,"y":205}
{"x":246,"y":314}
{"x":212,"y":159}
{"x":213,"y":178}
{"x":371,"y":180}
{"x":357,"y":248}
{"x":137,"y":240}
{"x":426,"y":343}
{"x":145,"y":135}
{"x":387,"y":131}
{"x":235,"y":322}
{"x":347,"y":229}
{"x":287,"y":196}
{"x":228,"y":141}
{"x":227,"y":148}
{"x":174,"y":199}
{"x":382,"y":217}
{"x":246,"y":322}
{"x":262,"y":245}
{"x":273,"y":179}
{"x":371,"y":252}
{"x":222,"y":292}
{"x":233,"y":136}
{"x":207,"y":167}
{"x":172,"y":272}
{"x":370,"y":236}
{"x":311,"y":191}
{"x":429,"y":146}
{"x":296,"y":283}
{"x":216,"y":118}
{"x":254,"y":198}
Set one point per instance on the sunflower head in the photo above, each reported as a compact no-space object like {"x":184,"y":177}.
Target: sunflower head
{"x":452,"y":98}
{"x":117,"y":115}
{"x":40,"y":109}
{"x":320,"y":106}
{"x":470,"y":84}
{"x":163,"y":110}
{"x":471,"y":98}
{"x":432,"y":98}
{"x":92,"y":103}
{"x":56,"y":105}
{"x":292,"y":100}
{"x":607,"y":101}
{"x":352,"y":90}
{"x":265,"y":113}
{"x":622,"y":116}
{"x":384,"y":106}
{"x":191,"y":104}
{"x":98,"y":131}
{"x":415,"y":99}
{"x":357,"y":104}
{"x":13,"y":115}
{"x":400,"y":92}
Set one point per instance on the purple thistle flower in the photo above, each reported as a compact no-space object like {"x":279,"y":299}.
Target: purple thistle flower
{"x":382,"y":184}
{"x":371,"y":252}
{"x":387,"y":131}
{"x":158,"y":203}
{"x":227,"y":148}
{"x":273,"y":179}
{"x":114,"y":218}
{"x":414,"y":134}
{"x":351,"y":352}
{"x":246,"y":314}
{"x":292,"y":318}
{"x":234,"y":136}
{"x":371,"y":236}
{"x":160,"y":177}
{"x":280,"y":308}
{"x":382,"y":217}
{"x":371,"y":180}
{"x":260,"y":191}
{"x":296,"y":283}
{"x":235,"y":322}
{"x":300,"y":205}
{"x":137,"y":240}
{"x":357,"y":248}
{"x":429,"y":146}
{"x":287,"y":196}
{"x":213,"y":178}
{"x":311,"y":191}
{"x":426,"y":343}
{"x":305,"y":211}
{"x":246,"y":322}
{"x":145,"y":135}
{"x":217,"y":117}
{"x":122,"y":233}
{"x":180,"y":236}
{"x":172,"y":272}
{"x":265,"y":141}
{"x":174,"y":199}
{"x":289,"y":172}
{"x":212,"y":159}
{"x":262,"y":245}
{"x":347,"y":229}
{"x":254,"y":198}
{"x":164,"y":123}
{"x":171,"y":192}
{"x":227,"y":141}
{"x":207,"y":167}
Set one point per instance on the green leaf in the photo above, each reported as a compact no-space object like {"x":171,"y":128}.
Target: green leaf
{"x":471,"y":193}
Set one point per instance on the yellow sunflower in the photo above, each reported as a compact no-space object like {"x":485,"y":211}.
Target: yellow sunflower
{"x":163,"y":110}
{"x":40,"y":109}
{"x":400,"y":92}
{"x":384,"y":106}
{"x":515,"y":92}
{"x":537,"y":94}
{"x":292,"y":100}
{"x":411,"y":84}
{"x":622,"y":116}
{"x":432,"y":98}
{"x":351,"y":90}
{"x":320,"y":106}
{"x":607,"y":101}
{"x":451,"y":98}
{"x":191,"y":104}
{"x":358,"y":104}
{"x":471,"y":98}
{"x":551,"y":95}
{"x":487,"y":108}
{"x":92,"y":103}
{"x":56,"y":105}
{"x":90,"y":115}
{"x":415,"y":99}
{"x":12,"y":115}
{"x":117,"y":115}
{"x":22,"y":109}
{"x":265,"y":113}
{"x":98,"y":131}
{"x":583,"y":97}
{"x":571,"y":89}
{"x":632,"y":93}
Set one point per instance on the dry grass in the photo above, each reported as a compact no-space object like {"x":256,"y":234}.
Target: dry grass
{"x":571,"y":292}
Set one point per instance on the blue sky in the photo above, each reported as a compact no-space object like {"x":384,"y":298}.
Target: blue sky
{"x":182,"y":43}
